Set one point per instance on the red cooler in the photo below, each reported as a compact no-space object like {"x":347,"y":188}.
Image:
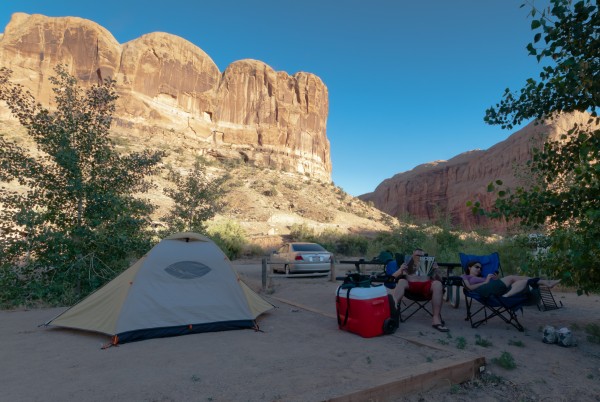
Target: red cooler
{"x":363,"y":311}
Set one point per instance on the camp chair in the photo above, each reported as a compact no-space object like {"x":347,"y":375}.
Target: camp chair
{"x":505,"y":308}
{"x":411,"y":303}
{"x":547,"y":301}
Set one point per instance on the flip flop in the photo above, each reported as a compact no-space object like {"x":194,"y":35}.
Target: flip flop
{"x":440,"y":327}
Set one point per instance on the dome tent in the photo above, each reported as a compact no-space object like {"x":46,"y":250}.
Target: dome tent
{"x":185,"y":284}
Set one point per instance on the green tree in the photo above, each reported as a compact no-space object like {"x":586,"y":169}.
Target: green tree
{"x":74,"y":221}
{"x":195,"y":199}
{"x":565,"y":194}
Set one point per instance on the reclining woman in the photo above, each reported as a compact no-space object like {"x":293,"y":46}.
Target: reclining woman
{"x":493,"y":285}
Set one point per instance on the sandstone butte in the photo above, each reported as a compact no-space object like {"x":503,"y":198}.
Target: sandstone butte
{"x":173,"y":96}
{"x":170,"y":87}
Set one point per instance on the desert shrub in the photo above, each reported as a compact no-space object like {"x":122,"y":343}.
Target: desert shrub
{"x":206,"y":161}
{"x":516,"y":343}
{"x":515,"y":255}
{"x":400,"y":240}
{"x":409,"y":238}
{"x":229,"y":236}
{"x":571,"y":259}
{"x":231,"y":163}
{"x":482,"y":342}
{"x":253,"y":250}
{"x":461,"y":343}
{"x":593,"y":331}
{"x":475,"y":241}
{"x":328,"y":239}
{"x":302,"y":232}
{"x":331,"y":239}
{"x":442,"y":243}
{"x":455,"y":389}
{"x":292,"y":186}
{"x":352,"y":245}
{"x":387,"y":220}
{"x":362,"y":214}
{"x":506,"y":361}
{"x":32,"y":285}
{"x":271,"y":192}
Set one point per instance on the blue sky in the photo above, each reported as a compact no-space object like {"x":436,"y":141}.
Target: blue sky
{"x":408,"y":81}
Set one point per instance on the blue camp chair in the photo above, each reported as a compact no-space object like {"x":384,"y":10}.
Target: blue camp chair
{"x":505,"y":308}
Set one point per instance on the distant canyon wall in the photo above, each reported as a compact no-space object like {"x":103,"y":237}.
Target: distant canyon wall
{"x":169,"y":88}
{"x":442,"y":188}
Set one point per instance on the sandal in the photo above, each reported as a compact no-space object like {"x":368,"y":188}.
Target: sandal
{"x":440,"y":327}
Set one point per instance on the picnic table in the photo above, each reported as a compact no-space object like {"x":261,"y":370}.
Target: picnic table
{"x":362,"y":261}
{"x":452,"y":292}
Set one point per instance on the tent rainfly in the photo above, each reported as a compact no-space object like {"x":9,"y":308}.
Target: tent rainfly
{"x":183,"y":285}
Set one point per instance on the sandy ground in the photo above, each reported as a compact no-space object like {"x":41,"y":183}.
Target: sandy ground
{"x":299,"y":355}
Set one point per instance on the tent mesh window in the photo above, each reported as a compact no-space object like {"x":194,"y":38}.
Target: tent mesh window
{"x":187,"y":269}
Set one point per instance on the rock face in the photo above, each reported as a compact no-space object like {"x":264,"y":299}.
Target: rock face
{"x":443,"y":188}
{"x":170,"y":87}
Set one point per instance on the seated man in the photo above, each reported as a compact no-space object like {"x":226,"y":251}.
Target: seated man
{"x":426,"y":285}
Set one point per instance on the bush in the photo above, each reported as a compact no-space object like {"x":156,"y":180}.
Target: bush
{"x":332,"y":240}
{"x":229,"y":236}
{"x":593,"y":331}
{"x":482,"y":342}
{"x":461,"y":342}
{"x":515,"y":255}
{"x":301,"y":232}
{"x":254,"y":250}
{"x":441,"y":242}
{"x":400,"y":240}
{"x":352,"y":245}
{"x":505,"y":361}
{"x":271,"y":192}
{"x":574,"y":257}
{"x":516,"y":343}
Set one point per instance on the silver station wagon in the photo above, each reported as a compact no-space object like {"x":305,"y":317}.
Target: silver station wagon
{"x":301,"y":258}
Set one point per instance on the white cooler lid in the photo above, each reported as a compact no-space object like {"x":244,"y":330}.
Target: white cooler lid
{"x":363,"y":293}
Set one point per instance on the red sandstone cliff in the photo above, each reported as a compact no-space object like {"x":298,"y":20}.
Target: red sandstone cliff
{"x":442,"y":188}
{"x":169,"y":88}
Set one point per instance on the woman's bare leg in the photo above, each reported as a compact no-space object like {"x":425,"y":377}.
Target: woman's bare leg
{"x":549,"y":283}
{"x":510,"y":279}
{"x":520,"y":284}
{"x":516,"y":286}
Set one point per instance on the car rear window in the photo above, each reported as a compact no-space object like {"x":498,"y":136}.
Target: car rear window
{"x":307,"y":247}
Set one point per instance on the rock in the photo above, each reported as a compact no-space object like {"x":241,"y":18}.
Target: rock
{"x":172,"y":95}
{"x":442,"y":188}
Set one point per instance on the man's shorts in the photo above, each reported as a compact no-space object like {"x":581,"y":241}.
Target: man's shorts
{"x":422,"y":288}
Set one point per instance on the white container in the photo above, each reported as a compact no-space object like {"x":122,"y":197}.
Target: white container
{"x":364,"y":293}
